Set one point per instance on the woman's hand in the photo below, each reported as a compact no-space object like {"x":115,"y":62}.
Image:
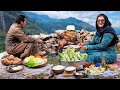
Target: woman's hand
{"x":82,"y":44}
{"x":82,"y":47}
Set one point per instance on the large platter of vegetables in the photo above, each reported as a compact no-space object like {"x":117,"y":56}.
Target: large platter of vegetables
{"x":35,"y":61}
{"x":70,"y":55}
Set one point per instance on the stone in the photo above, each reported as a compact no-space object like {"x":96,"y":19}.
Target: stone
{"x":26,"y":73}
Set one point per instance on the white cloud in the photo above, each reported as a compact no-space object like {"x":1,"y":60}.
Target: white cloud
{"x":66,"y":14}
{"x":111,"y":12}
{"x":86,"y":16}
{"x":116,"y":24}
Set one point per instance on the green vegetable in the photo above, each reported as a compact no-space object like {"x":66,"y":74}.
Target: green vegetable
{"x":72,"y":55}
{"x":62,"y":57}
{"x":84,"y":55}
{"x":35,"y":62}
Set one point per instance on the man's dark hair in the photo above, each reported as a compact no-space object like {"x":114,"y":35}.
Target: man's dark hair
{"x":20,"y":18}
{"x":107,"y":22}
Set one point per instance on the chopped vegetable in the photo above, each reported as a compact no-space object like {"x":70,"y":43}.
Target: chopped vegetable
{"x":71,"y":55}
{"x":35,"y":62}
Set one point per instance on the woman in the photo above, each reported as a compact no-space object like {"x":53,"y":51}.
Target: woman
{"x":103,"y":43}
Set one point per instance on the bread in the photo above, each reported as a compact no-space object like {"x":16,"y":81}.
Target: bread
{"x":11,"y":60}
{"x":10,"y":57}
{"x":113,"y":67}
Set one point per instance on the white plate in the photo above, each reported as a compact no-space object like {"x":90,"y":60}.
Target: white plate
{"x":72,"y":46}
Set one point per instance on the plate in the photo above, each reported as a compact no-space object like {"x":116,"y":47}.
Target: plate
{"x":14,"y":68}
{"x":80,"y":74}
{"x":72,"y":46}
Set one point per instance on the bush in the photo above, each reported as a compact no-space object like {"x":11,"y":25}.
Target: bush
{"x":2,"y":44}
{"x":2,"y":40}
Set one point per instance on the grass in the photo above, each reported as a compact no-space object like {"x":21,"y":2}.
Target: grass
{"x":2,"y":45}
{"x":2,"y":40}
{"x":53,"y":59}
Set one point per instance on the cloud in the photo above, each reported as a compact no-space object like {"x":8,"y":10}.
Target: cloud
{"x":66,"y":14}
{"x":116,"y":23}
{"x":86,"y":16}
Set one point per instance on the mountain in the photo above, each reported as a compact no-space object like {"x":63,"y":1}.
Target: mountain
{"x":8,"y":17}
{"x":51,"y":24}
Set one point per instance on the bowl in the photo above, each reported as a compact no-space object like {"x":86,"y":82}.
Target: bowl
{"x":80,"y":74}
{"x":70,"y":69}
{"x":58,"y":69}
{"x":71,"y":63}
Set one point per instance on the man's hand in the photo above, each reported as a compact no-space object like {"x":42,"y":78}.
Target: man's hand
{"x":30,"y":38}
{"x":62,"y":42}
{"x":39,"y":40}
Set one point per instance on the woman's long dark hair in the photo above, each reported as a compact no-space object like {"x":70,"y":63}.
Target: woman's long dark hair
{"x":107,"y":22}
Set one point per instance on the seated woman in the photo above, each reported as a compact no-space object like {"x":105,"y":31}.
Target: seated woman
{"x":103,"y":43}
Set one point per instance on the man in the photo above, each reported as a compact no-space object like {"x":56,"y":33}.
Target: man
{"x":18,"y":43}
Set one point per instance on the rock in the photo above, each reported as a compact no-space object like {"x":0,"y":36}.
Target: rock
{"x":26,"y":73}
{"x":60,"y":76}
{"x":3,"y":54}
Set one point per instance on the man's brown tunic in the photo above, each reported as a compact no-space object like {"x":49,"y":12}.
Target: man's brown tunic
{"x":18,"y":43}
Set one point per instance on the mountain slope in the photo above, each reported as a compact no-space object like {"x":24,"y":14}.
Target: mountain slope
{"x":51,"y":24}
{"x":8,"y":17}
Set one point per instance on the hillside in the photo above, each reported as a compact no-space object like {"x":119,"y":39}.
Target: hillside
{"x":8,"y":17}
{"x":51,"y":24}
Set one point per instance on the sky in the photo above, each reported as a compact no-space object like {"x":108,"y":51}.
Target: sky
{"x":86,"y":16}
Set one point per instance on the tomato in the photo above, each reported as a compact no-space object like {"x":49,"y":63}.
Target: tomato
{"x":87,"y":64}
